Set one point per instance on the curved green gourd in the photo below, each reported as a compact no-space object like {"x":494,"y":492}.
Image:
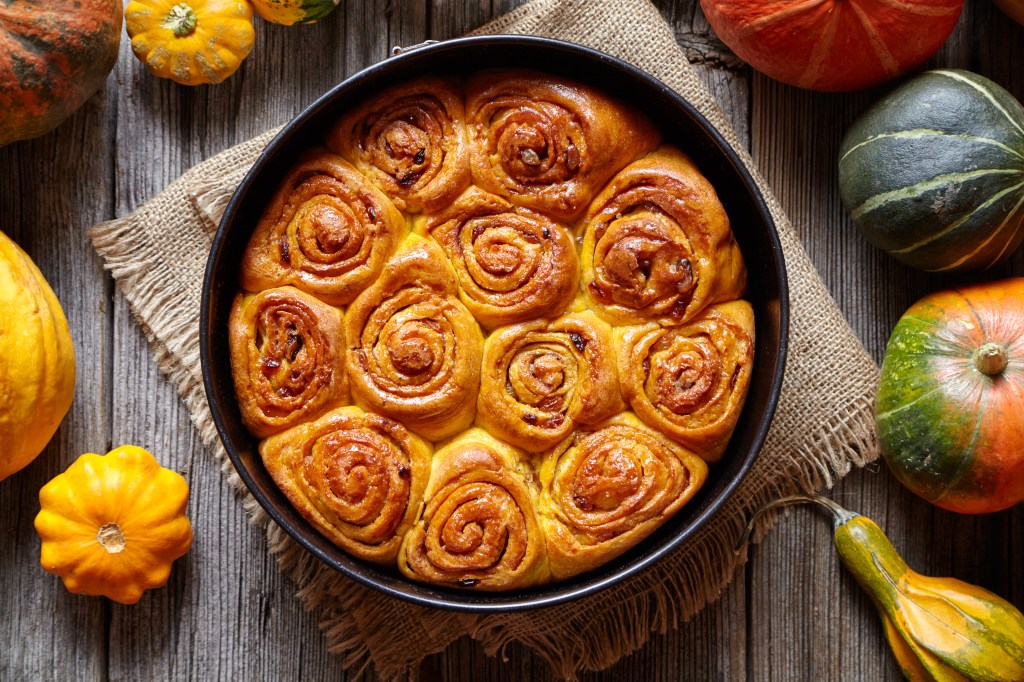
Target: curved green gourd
{"x":933,"y":173}
{"x":939,"y":629}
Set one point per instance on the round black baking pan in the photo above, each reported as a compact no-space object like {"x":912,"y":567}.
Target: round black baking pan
{"x":680,"y":124}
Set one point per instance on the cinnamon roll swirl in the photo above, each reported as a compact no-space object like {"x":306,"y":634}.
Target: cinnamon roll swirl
{"x":513,"y":264}
{"x":541,"y":379}
{"x":414,"y":350}
{"x":410,"y":140}
{"x":479,"y":526}
{"x":357,"y":477}
{"x":549,"y":143}
{"x":287,"y":353}
{"x":689,"y":382}
{"x":657,"y":244}
{"x":606,"y":488}
{"x":327,"y":231}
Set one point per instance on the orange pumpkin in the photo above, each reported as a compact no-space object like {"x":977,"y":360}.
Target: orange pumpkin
{"x":833,"y":45}
{"x":54,"y":54}
{"x":950,"y":407}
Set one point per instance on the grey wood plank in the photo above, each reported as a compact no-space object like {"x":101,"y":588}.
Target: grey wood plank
{"x":228,"y":612}
{"x":51,"y":189}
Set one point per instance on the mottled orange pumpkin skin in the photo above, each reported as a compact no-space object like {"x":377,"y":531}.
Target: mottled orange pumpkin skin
{"x":833,"y":45}
{"x":54,"y":54}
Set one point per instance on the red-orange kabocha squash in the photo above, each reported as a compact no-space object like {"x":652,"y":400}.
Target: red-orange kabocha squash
{"x":833,"y":45}
{"x":54,"y":54}
{"x":950,"y":408}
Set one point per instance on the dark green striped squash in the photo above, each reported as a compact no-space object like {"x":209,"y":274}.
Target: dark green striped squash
{"x":950,"y":405}
{"x":933,"y":173}
{"x":54,"y":54}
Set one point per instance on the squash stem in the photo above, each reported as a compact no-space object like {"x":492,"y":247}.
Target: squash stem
{"x":181,"y":20}
{"x":990,"y":358}
{"x":840,"y":515}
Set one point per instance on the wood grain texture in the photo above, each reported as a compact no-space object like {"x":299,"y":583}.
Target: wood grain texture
{"x":792,"y":614}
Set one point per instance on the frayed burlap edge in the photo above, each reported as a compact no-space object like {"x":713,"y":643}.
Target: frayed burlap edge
{"x":805,"y":450}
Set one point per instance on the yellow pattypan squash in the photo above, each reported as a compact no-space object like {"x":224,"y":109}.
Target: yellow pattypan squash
{"x":37,"y":360}
{"x":192,"y":42}
{"x":112,"y":525}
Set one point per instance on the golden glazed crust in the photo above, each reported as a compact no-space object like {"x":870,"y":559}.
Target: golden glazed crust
{"x":513,"y":264}
{"x":690,"y":382}
{"x":287,"y":353}
{"x":414,"y":349}
{"x":549,"y":143}
{"x":541,"y":379}
{"x":543,"y":345}
{"x":607,"y":487}
{"x":357,"y":477}
{"x":479,"y":526}
{"x":327,"y":231}
{"x":410,"y":141}
{"x":657,"y":245}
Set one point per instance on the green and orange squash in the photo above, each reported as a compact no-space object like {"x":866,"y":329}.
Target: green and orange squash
{"x":950,"y":405}
{"x":54,"y":54}
{"x":933,"y":173}
{"x":289,"y":12}
{"x":939,"y":629}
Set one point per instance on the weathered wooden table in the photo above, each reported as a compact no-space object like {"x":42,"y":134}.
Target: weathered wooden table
{"x":227,"y":613}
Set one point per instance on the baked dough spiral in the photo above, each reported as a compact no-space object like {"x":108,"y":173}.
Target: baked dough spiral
{"x":479,"y":526}
{"x":657,"y":244}
{"x":414,"y":349}
{"x":357,"y":477}
{"x":327,"y":231}
{"x":549,"y":143}
{"x":606,"y":488}
{"x":513,"y":264}
{"x":287,"y":353}
{"x":410,"y":140}
{"x":690,"y":381}
{"x":541,"y":379}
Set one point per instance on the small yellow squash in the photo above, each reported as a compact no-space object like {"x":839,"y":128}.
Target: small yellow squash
{"x":939,"y":629}
{"x":112,"y":525}
{"x":192,"y":42}
{"x":37,"y":360}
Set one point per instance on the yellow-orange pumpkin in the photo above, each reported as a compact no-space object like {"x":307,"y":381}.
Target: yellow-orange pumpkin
{"x":54,"y":54}
{"x":833,"y":44}
{"x":112,"y":525}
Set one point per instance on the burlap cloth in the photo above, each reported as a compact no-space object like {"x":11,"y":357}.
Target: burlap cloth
{"x":823,"y":424}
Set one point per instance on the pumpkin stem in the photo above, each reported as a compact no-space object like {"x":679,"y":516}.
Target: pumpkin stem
{"x":111,"y":537}
{"x":181,"y":20}
{"x":990,"y":358}
{"x":839,"y":514}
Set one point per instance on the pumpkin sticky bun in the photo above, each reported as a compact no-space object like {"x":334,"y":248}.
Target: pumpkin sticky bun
{"x":357,"y":477}
{"x":606,"y":488}
{"x":690,"y":381}
{"x":327,"y":231}
{"x":479,"y":525}
{"x":414,"y":350}
{"x":513,"y":264}
{"x":549,"y":143}
{"x":287,"y":352}
{"x":541,"y":379}
{"x":410,"y":141}
{"x":657,"y":244}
